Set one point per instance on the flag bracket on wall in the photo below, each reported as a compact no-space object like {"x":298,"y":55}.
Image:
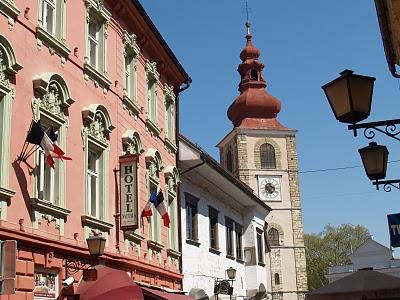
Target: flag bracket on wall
{"x":46,"y":140}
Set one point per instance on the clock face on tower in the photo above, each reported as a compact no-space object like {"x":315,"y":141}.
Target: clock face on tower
{"x":269,"y":187}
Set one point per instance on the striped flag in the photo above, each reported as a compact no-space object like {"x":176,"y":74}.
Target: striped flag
{"x":38,"y":136}
{"x":157,"y":199}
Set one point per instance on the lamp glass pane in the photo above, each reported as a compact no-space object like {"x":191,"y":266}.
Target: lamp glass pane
{"x":338,"y":97}
{"x":375,"y":161}
{"x":361,"y":93}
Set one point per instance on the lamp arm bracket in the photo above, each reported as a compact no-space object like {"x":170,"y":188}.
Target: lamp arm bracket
{"x":387,"y":184}
{"x":74,"y":265}
{"x":387,"y":127}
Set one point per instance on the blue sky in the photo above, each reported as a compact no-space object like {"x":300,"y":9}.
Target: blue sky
{"x":304,"y":44}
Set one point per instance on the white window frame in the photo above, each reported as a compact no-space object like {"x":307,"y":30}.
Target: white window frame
{"x":42,"y":187}
{"x":45,"y":8}
{"x":97,"y":13}
{"x":93,"y":174}
{"x":96,"y":41}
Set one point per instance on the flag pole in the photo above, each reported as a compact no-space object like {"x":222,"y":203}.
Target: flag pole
{"x":30,"y":152}
{"x":21,"y":156}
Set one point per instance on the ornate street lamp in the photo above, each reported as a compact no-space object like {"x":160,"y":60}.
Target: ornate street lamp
{"x":231,"y":272}
{"x":96,"y":245}
{"x":374,"y":158}
{"x":350,"y":96}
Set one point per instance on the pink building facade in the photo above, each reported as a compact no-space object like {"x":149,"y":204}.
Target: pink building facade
{"x":101,"y":76}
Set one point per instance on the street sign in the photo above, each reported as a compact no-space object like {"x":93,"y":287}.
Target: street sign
{"x":8,"y":259}
{"x":394,"y":229}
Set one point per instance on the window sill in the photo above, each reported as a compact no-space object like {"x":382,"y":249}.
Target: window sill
{"x":230,"y":257}
{"x":170,"y":145}
{"x":6,"y":193}
{"x":154,"y":245}
{"x":96,"y":76}
{"x":173,"y":253}
{"x":153,"y":127}
{"x":10,"y":10}
{"x":215,"y":251}
{"x":134,"y":237}
{"x":50,"y":208}
{"x":193,"y":242}
{"x":53,"y":43}
{"x":261,"y":264}
{"x":96,"y":223}
{"x":131,"y":105}
{"x":240,"y":261}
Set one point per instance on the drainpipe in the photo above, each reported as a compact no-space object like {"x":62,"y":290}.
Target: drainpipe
{"x":185,"y":87}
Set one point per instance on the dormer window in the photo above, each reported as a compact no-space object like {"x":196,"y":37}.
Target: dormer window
{"x":254,"y":74}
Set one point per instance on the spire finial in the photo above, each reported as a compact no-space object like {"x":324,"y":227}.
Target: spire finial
{"x":248,"y":24}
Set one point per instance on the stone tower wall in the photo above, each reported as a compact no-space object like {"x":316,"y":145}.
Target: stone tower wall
{"x":298,"y":233}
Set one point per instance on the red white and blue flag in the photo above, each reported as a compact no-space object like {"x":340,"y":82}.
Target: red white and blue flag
{"x":48,"y":143}
{"x":157,"y":199}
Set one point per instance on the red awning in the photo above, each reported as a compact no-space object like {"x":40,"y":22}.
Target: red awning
{"x":110,"y":284}
{"x":150,"y":293}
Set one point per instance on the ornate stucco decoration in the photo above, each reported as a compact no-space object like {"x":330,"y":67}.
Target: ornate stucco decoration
{"x":151,"y":70}
{"x":172,"y":179}
{"x":130,"y":45}
{"x":131,"y":142}
{"x":97,"y":123}
{"x":153,"y":163}
{"x":8,"y":66}
{"x":51,"y":96}
{"x":169,"y":93}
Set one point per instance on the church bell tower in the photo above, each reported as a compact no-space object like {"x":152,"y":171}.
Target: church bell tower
{"x":261,"y":152}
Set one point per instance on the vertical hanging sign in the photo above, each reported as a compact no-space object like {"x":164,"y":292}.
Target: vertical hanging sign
{"x":128,"y":188}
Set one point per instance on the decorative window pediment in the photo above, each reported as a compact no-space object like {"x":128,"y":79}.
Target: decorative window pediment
{"x":8,"y":65}
{"x":51,"y":96}
{"x":169,"y":94}
{"x":131,"y":142}
{"x":153,"y":163}
{"x":151,"y":70}
{"x":97,"y":122}
{"x":130,"y":45}
{"x":97,"y":7}
{"x":172,"y":179}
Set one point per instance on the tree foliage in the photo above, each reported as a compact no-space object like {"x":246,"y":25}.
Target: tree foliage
{"x":331,"y":247}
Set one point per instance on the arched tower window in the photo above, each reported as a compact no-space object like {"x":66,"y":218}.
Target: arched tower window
{"x":277,"y":279}
{"x":229,"y":161}
{"x":273,"y":237}
{"x":254,"y":74}
{"x":267,"y":156}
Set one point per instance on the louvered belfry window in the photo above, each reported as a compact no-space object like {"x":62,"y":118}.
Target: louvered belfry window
{"x":267,"y":156}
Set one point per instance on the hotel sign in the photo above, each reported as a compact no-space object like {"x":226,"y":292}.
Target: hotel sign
{"x":394,"y":229}
{"x":129,"y":192}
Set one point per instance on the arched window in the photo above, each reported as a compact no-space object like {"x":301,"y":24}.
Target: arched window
{"x":273,"y":237}
{"x":229,"y":161}
{"x":277,"y":279}
{"x":8,"y":68}
{"x":267,"y":156}
{"x":254,"y":74}
{"x":96,"y":135}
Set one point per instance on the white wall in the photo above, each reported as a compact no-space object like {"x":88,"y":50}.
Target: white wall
{"x":200,"y":266}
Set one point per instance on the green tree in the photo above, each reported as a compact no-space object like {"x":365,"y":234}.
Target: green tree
{"x":331,"y":247}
